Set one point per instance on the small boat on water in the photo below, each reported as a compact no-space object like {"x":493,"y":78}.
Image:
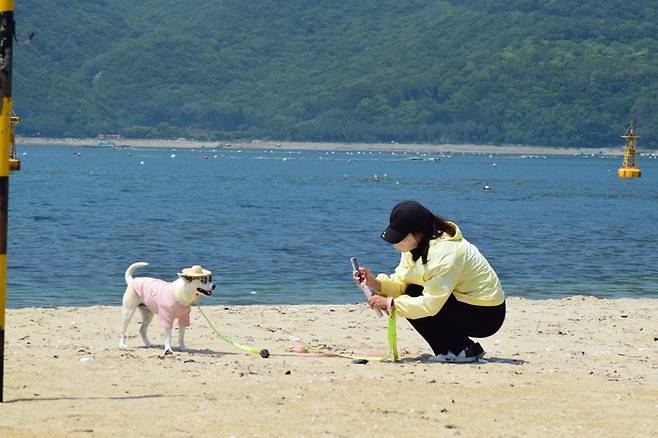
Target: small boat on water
{"x":106,"y":144}
{"x":424,"y":158}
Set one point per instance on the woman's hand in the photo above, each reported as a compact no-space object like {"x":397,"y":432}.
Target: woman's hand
{"x":378,"y":302}
{"x":363,"y":275}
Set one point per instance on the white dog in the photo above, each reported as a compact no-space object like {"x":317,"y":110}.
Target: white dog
{"x":168,"y":300}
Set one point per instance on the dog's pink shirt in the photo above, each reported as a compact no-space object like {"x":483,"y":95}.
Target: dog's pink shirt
{"x":158,"y":295}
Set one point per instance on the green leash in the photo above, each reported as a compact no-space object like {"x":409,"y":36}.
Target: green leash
{"x":392,"y":339}
{"x":392,"y":335}
{"x":264,"y":353}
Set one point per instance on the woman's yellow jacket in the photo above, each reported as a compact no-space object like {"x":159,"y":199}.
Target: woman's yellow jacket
{"x":455,"y":266}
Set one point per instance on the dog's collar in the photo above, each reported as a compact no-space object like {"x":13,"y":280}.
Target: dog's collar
{"x":178,"y":294}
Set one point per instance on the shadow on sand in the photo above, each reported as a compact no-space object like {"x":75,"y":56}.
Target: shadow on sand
{"x":425,"y":358}
{"x":189,"y":351}
{"x":123,"y":397}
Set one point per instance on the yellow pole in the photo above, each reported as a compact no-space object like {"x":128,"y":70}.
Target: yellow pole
{"x":7,"y":31}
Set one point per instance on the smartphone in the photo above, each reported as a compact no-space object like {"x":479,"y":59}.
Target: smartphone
{"x":366,"y":290}
{"x":355,"y":263}
{"x":355,"y":266}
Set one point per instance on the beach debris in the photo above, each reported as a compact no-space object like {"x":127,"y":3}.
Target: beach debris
{"x":360,"y":361}
{"x":264,"y":353}
{"x":85,"y":359}
{"x":287,"y":373}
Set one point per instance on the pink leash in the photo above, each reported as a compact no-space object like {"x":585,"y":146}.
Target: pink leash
{"x":368,"y":293}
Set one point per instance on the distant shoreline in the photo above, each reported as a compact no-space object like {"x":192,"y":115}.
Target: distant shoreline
{"x":326,"y":146}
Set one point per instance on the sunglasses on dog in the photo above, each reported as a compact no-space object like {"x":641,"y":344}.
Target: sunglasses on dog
{"x":204,"y":280}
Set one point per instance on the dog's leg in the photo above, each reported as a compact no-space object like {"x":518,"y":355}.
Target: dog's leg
{"x":130,"y":303}
{"x":147,"y":317}
{"x":181,"y":337}
{"x":167,"y":341}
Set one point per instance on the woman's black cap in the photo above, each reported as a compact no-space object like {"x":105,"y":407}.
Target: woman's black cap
{"x":407,"y":217}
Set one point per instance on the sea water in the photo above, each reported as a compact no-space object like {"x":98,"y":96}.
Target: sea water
{"x":279,"y":226}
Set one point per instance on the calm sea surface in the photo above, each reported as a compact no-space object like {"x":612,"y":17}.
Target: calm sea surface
{"x":277,"y":226}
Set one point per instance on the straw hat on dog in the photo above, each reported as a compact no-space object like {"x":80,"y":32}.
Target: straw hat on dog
{"x":195,"y":271}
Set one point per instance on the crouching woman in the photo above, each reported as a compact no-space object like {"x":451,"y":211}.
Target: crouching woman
{"x":443,"y":286}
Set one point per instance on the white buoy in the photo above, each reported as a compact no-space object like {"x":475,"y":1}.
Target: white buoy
{"x":172,"y":156}
{"x":141,"y":162}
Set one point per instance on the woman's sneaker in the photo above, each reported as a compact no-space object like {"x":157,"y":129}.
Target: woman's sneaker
{"x":472,"y":353}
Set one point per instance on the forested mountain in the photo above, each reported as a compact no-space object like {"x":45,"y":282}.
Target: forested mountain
{"x":544,"y":72}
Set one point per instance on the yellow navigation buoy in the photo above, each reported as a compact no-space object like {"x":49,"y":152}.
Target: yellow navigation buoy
{"x":629,"y":167}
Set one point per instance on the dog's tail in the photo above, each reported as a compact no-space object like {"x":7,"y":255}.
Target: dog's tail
{"x":132,"y":268}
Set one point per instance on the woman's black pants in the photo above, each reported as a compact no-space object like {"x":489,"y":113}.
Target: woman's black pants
{"x":456,"y":322}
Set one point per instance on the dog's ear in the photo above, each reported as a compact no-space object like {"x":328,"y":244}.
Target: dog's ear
{"x":186,"y":279}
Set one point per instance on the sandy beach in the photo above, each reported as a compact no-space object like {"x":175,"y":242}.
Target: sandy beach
{"x":579,"y":366}
{"x":384,"y":147}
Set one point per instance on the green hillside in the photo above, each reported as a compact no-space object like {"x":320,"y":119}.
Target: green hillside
{"x":544,"y":72}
